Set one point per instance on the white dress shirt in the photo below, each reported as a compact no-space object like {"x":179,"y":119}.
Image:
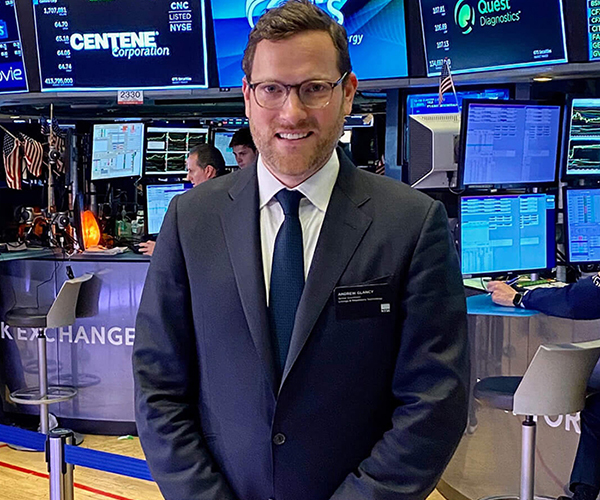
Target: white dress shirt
{"x":317,"y":192}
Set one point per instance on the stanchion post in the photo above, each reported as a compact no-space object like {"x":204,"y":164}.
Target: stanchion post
{"x":61,"y":473}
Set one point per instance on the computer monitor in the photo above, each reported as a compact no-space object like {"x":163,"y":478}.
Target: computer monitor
{"x":509,"y":143}
{"x":167,"y":148}
{"x":117,"y":150}
{"x":433,"y":141}
{"x":13,"y":77}
{"x":583,"y":225}
{"x":158,"y":197}
{"x":426,"y":104}
{"x":507,"y":233}
{"x":583,"y":158}
{"x":222,"y":140}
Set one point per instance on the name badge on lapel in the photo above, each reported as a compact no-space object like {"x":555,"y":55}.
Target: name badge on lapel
{"x":362,"y":301}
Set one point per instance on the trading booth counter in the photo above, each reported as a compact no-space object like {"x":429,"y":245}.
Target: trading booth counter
{"x":487,"y":461}
{"x":94,"y":354}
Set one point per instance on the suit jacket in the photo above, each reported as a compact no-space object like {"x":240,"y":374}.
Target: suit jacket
{"x":579,"y":300}
{"x":368,"y":408}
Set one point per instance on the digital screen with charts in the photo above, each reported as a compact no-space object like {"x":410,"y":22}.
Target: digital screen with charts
{"x":117,"y":150}
{"x":376,"y":35}
{"x":504,"y":233}
{"x":486,"y":35}
{"x":584,"y":138}
{"x":222,"y":140}
{"x":509,"y":143}
{"x":158,"y":197}
{"x":583,"y":225}
{"x":124,"y":44}
{"x":12,"y":66}
{"x":593,"y":19}
{"x":167,"y":148}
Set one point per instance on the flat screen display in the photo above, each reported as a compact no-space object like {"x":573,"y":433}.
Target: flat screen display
{"x":222,"y":140}
{"x":583,"y":158}
{"x":376,"y":35}
{"x":486,"y":35}
{"x":506,"y":233}
{"x":509,"y":143}
{"x":158,"y":197}
{"x":12,"y":67}
{"x":583,"y":225}
{"x":167,"y":148}
{"x":428,"y":104}
{"x":593,"y":19}
{"x":117,"y":150}
{"x":124,"y":44}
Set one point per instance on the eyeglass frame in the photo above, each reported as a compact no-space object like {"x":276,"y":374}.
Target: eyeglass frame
{"x":288,"y":90}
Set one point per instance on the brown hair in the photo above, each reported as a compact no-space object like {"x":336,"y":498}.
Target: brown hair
{"x":242,"y":137}
{"x":291,"y":18}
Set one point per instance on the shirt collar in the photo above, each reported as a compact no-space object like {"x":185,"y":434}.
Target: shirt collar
{"x":317,"y":188}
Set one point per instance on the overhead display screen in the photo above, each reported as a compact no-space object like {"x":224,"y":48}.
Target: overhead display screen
{"x":376,"y":35}
{"x":117,"y":150}
{"x":485,"y":35}
{"x":12,"y":67}
{"x":593,"y":17}
{"x":583,"y":157}
{"x":121,"y":44}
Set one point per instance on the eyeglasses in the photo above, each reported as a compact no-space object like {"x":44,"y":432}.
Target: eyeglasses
{"x":314,"y":94}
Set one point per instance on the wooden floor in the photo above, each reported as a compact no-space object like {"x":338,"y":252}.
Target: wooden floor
{"x":24,"y":475}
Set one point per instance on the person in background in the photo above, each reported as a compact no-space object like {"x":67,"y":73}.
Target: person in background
{"x":243,"y":147}
{"x":204,"y":162}
{"x":579,"y":301}
{"x":302,"y":330}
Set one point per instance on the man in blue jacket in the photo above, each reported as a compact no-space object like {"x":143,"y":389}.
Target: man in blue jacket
{"x":579,"y":300}
{"x":302,"y":330}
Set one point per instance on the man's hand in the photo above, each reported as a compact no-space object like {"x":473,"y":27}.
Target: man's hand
{"x":502,"y":294}
{"x":147,"y":247}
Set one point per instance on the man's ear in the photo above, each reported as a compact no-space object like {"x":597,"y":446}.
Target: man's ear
{"x":350,"y":86}
{"x":211,"y":172}
{"x":246,"y":91}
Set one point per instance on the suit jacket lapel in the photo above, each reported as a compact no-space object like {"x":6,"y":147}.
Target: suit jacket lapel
{"x":241,"y":225}
{"x":343,"y":229}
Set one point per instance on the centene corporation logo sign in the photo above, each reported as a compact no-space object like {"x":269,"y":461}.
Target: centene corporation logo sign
{"x":464,"y":16}
{"x":256,"y":8}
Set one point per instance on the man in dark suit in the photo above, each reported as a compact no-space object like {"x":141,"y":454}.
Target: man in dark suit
{"x":302,"y":331}
{"x":579,"y":301}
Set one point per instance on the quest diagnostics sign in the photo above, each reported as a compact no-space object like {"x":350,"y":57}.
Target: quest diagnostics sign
{"x":486,"y":35}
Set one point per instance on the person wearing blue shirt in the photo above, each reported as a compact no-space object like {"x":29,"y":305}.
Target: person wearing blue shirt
{"x":579,"y":300}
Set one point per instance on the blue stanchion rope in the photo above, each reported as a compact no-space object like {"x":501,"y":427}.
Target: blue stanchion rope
{"x":107,"y":462}
{"x":84,"y":457}
{"x":21,"y":437}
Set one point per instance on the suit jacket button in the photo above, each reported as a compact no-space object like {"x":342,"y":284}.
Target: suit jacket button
{"x":279,"y":439}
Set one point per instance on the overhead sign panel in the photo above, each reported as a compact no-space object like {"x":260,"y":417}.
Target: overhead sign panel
{"x":121,"y":44}
{"x":485,"y":35}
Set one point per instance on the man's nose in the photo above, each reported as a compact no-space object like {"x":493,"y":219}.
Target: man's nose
{"x":293,"y":110}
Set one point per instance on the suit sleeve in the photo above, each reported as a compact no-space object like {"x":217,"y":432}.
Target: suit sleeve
{"x":166,"y":378}
{"x":430,"y":385}
{"x":580,"y":300}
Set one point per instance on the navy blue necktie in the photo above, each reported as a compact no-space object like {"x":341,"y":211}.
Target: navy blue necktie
{"x":287,"y":276}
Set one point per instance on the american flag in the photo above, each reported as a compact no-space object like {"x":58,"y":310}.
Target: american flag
{"x":56,"y":141}
{"x":11,"y":153}
{"x":446,"y":82}
{"x":33,"y":153}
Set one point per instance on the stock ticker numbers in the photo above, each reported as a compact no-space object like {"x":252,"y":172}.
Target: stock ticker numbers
{"x":439,"y":26}
{"x":101,"y":45}
{"x":593,"y":10}
{"x":12,"y":67}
